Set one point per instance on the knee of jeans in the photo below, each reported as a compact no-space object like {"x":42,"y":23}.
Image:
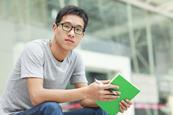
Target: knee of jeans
{"x":99,"y":111}
{"x":51,"y":106}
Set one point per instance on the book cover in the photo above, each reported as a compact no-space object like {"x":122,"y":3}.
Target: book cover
{"x":128,"y":91}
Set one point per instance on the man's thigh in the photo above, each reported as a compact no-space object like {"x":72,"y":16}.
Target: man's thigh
{"x":47,"y":108}
{"x":86,"y":111}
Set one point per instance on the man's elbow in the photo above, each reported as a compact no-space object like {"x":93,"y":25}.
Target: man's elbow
{"x":36,"y":99}
{"x":35,"y":102}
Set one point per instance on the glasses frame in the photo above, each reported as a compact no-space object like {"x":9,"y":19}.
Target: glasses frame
{"x":62,"y":25}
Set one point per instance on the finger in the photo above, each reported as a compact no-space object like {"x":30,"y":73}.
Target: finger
{"x":110,"y":86}
{"x":124,"y":105}
{"x":105,"y":81}
{"x":127,"y":104}
{"x":108,"y":92}
{"x":117,"y":93}
{"x":128,"y":101}
{"x":121,"y":109}
{"x":110,"y":97}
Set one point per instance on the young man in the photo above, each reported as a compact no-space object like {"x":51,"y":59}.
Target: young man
{"x":44,"y":69}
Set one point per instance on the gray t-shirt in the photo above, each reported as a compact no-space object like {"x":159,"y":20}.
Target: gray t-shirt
{"x":36,"y":60}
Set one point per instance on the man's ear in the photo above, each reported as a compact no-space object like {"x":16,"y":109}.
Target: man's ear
{"x":54,"y":26}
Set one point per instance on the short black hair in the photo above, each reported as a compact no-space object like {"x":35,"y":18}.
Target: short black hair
{"x":74,"y":10}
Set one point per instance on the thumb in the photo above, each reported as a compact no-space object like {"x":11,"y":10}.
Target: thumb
{"x":105,"y":81}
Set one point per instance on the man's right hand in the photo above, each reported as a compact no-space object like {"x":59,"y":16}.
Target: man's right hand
{"x":102,"y":91}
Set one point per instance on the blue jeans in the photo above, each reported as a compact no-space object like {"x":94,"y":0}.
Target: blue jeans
{"x":53,"y":108}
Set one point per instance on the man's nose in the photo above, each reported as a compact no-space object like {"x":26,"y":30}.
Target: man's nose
{"x":71,"y":32}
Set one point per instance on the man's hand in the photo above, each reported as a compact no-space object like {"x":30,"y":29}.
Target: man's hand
{"x":124,"y":105}
{"x":101,"y":91}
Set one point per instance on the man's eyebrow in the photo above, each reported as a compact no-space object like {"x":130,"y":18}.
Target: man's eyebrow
{"x":72,"y":24}
{"x":79,"y":26}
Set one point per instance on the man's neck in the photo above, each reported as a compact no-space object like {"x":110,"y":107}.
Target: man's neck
{"x":59,"y":53}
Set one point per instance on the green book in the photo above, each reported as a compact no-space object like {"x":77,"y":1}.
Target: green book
{"x":128,"y":91}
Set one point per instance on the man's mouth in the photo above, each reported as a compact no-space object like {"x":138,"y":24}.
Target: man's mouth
{"x":69,"y":40}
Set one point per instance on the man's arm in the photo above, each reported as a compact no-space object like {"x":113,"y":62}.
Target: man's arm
{"x":38,"y":94}
{"x":86,"y":102}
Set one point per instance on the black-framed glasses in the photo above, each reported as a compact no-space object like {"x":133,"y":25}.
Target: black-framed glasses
{"x":66,"y":26}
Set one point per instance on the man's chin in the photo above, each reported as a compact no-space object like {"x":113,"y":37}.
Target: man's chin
{"x":68,"y":48}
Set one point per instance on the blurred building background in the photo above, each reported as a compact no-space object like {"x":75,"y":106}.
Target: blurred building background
{"x":141,"y":30}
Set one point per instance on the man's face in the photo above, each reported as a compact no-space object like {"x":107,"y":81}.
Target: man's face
{"x":69,"y":32}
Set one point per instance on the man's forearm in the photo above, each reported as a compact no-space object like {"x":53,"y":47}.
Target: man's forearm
{"x":58,"y":95}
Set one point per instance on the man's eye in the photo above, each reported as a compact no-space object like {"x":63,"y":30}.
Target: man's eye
{"x":67,"y":26}
{"x":78,"y":29}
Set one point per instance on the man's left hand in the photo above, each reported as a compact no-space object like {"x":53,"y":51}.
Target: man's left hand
{"x":124,"y":105}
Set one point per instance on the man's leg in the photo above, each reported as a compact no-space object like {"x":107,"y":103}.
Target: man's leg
{"x":47,"y":108}
{"x":86,"y":111}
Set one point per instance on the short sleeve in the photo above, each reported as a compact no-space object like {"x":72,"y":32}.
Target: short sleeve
{"x":32,"y":61}
{"x":78,"y":75}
